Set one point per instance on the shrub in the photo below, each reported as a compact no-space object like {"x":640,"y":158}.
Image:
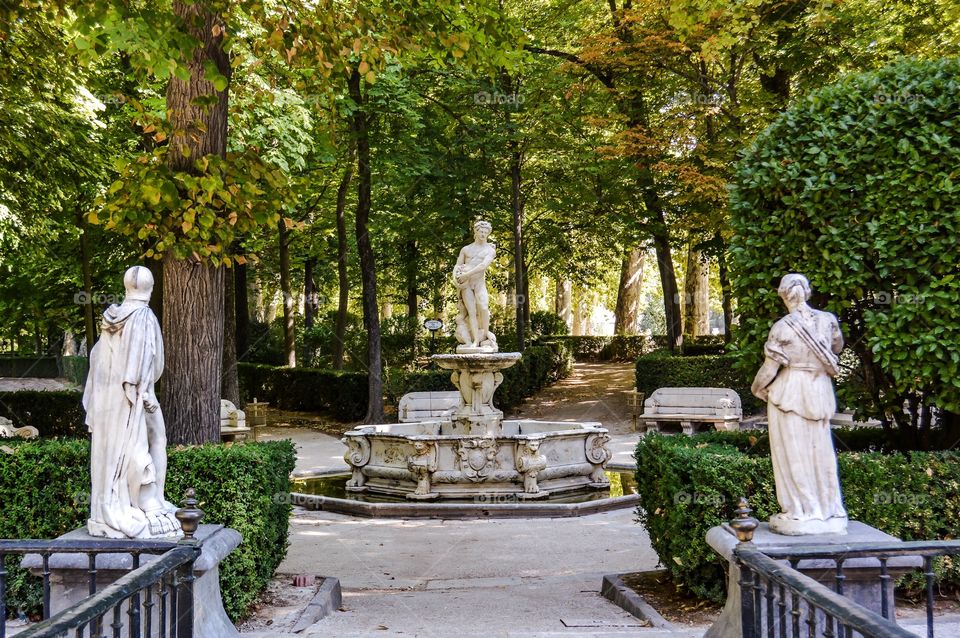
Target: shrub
{"x":856,"y":186}
{"x":663,"y":370}
{"x":689,"y":484}
{"x":239,"y":486}
{"x":544,"y":323}
{"x":310,"y":389}
{"x":52,"y":413}
{"x":540,"y":366}
{"x":611,"y":348}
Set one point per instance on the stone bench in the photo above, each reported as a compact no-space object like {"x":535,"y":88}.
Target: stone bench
{"x":690,"y":406}
{"x":424,"y":406}
{"x":7,"y":431}
{"x":233,"y":422}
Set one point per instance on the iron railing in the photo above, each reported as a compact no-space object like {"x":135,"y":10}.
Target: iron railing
{"x":778,"y":601}
{"x":156,"y":597}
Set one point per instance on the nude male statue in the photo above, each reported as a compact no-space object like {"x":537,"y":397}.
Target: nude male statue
{"x":473,"y":319}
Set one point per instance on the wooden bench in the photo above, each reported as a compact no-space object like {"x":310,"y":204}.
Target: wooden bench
{"x":424,"y":406}
{"x":690,"y":406}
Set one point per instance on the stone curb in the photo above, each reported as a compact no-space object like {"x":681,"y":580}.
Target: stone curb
{"x":630,"y":601}
{"x":327,"y":600}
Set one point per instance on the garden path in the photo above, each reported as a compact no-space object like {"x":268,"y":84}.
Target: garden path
{"x":592,"y":392}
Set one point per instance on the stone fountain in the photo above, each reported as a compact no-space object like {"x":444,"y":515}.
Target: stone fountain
{"x":474,"y":452}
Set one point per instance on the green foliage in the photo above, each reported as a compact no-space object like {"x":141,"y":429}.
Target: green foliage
{"x":199,"y":212}
{"x":544,"y":323}
{"x":344,"y":394}
{"x":52,"y":413}
{"x":689,"y":484}
{"x":607,"y":348}
{"x":244,"y":487}
{"x":877,"y":152}
{"x":663,"y":370}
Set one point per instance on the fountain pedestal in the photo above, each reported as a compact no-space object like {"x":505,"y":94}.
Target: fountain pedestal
{"x":477,"y":377}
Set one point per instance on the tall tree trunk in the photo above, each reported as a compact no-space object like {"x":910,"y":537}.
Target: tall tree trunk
{"x":156,"y":299}
{"x":229,"y":382}
{"x":517,"y":208}
{"x":241,"y":297}
{"x":193,"y":350}
{"x":368,"y":268}
{"x":343,"y":282}
{"x":193,"y":292}
{"x":286,"y":289}
{"x":564,"y":301}
{"x":725,"y":290}
{"x":411,"y":276}
{"x":89,"y":321}
{"x":628,"y":294}
{"x":696,"y":295}
{"x":311,"y":300}
{"x":668,"y":284}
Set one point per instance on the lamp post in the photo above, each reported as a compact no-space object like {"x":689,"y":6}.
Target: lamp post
{"x":433,"y":325}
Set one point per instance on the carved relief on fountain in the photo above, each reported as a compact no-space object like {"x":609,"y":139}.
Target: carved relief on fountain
{"x":422,"y":464}
{"x":477,"y":458}
{"x":597,"y":453}
{"x":529,"y":462}
{"x":356,"y":456}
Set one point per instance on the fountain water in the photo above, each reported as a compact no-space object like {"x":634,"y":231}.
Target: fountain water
{"x":475,"y":451}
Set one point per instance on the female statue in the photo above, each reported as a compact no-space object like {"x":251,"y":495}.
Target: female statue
{"x":796,"y":382}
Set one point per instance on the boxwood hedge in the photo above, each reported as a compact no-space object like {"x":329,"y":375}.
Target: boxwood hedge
{"x":688,"y":484}
{"x":45,"y":484}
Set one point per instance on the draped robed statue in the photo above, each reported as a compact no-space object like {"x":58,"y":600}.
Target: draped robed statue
{"x":796,"y":382}
{"x":128,"y":458}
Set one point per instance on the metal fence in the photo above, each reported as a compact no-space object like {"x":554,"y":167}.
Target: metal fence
{"x":153,"y":600}
{"x":778,"y":601}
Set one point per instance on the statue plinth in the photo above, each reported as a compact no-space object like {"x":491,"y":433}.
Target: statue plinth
{"x":477,"y":377}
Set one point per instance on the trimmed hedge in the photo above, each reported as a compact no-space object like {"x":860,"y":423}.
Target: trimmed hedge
{"x":39,"y":367}
{"x":540,"y":366}
{"x":308,"y":389}
{"x":44,"y":488}
{"x":611,"y":348}
{"x":345,"y":393}
{"x":52,"y":413}
{"x":688,"y":484}
{"x":663,"y":370}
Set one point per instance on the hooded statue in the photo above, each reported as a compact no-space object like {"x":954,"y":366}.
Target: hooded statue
{"x":128,"y":459}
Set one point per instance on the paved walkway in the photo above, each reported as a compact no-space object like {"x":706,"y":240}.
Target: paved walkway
{"x":533,"y":577}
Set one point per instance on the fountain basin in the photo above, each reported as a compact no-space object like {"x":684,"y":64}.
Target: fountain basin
{"x":435,"y":460}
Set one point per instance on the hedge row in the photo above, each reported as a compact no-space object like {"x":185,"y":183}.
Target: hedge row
{"x":44,"y":488}
{"x":345,"y":393}
{"x":611,"y":348}
{"x":310,"y":389}
{"x":52,"y":413}
{"x":663,"y":370}
{"x":688,"y":484}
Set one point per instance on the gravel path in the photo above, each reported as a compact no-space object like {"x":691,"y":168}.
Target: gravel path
{"x":593,"y":392}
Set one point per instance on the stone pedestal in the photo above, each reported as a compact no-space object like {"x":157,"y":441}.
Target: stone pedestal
{"x":862,"y":582}
{"x":70,"y":579}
